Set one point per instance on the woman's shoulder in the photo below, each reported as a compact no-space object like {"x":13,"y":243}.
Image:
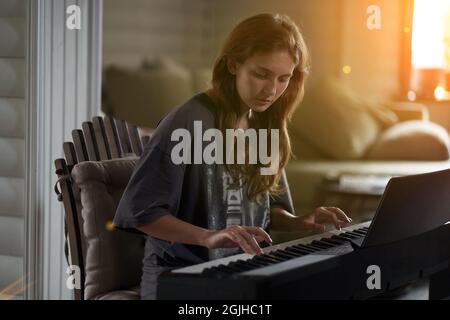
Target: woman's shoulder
{"x":184,"y":116}
{"x":198,"y":108}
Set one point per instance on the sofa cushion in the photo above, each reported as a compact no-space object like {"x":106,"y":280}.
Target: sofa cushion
{"x":303,"y":149}
{"x":412,"y":140}
{"x":338,"y":122}
{"x":143,"y":96}
{"x":113,"y":258}
{"x":406,"y":111}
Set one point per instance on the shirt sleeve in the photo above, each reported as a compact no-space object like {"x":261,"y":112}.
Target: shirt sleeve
{"x":154,"y":190}
{"x":283,"y":200}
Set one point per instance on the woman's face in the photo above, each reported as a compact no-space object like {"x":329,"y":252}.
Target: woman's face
{"x":262,"y":79}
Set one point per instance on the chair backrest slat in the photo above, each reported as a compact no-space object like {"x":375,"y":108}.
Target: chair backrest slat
{"x":145,"y":140}
{"x":80,"y":145}
{"x":91,"y":144}
{"x":124,"y":138}
{"x":136,"y":143}
{"x":100,"y":137}
{"x":69,"y":153}
{"x":112,"y":137}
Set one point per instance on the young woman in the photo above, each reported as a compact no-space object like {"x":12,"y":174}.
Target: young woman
{"x":192,"y":212}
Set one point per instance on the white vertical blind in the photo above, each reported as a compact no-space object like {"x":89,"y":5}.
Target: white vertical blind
{"x":64,"y":90}
{"x":12,"y":158}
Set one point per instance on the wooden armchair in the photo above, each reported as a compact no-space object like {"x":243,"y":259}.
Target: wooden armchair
{"x":91,"y":179}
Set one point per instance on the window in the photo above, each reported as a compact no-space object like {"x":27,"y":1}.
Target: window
{"x":431,"y":49}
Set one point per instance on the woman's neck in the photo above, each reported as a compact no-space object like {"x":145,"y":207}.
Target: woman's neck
{"x":244,"y":117}
{"x":243,"y":122}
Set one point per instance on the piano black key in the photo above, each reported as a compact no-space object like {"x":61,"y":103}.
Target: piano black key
{"x":297,"y":250}
{"x":281,"y":255}
{"x":286,"y":253}
{"x":363,"y":233}
{"x":262,"y":261}
{"x":303,"y":247}
{"x":280,"y":259}
{"x":207,"y":271}
{"x":214,"y":271}
{"x":242,"y":267}
{"x":258,"y":263}
{"x":351,"y":236}
{"x":334,"y":242}
{"x":228,"y":268}
{"x":266,"y":258}
{"x":248,"y":264}
{"x":313,"y":246}
{"x":321,"y":244}
{"x":354,"y":234}
{"x":341,"y":237}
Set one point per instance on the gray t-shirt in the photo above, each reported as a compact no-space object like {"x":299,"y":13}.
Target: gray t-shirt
{"x":196,"y":193}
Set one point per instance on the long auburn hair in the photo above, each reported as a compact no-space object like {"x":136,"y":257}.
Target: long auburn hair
{"x":263,"y":33}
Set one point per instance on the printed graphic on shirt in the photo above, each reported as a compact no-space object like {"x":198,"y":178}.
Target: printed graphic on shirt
{"x":233,"y":200}
{"x":230,"y":206}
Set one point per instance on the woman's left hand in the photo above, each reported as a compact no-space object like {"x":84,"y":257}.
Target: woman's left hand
{"x":321,"y":217}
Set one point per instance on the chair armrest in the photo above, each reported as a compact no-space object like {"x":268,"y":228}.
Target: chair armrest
{"x":410,"y":111}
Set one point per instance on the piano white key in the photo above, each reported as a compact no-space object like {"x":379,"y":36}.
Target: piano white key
{"x":198,"y":268}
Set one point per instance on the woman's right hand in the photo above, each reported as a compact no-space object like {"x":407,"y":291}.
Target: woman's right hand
{"x":247,"y":238}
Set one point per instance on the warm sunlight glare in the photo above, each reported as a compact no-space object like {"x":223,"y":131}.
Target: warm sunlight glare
{"x":430,"y":37}
{"x":346,"y":69}
{"x":411,"y":95}
{"x":441,"y":94}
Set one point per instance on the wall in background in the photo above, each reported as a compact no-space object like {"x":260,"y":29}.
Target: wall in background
{"x":318,"y":21}
{"x":192,"y":32}
{"x":144,"y":29}
{"x":373,"y":55}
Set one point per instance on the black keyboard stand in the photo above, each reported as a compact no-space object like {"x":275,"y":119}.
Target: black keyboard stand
{"x":440,"y":285}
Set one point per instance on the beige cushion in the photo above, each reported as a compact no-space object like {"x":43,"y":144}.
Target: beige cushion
{"x":412,"y":140}
{"x":143,"y":96}
{"x":406,"y":111}
{"x":303,"y":149}
{"x":130,"y":294}
{"x":113,"y":258}
{"x":337,"y":122}
{"x":382,"y":112}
